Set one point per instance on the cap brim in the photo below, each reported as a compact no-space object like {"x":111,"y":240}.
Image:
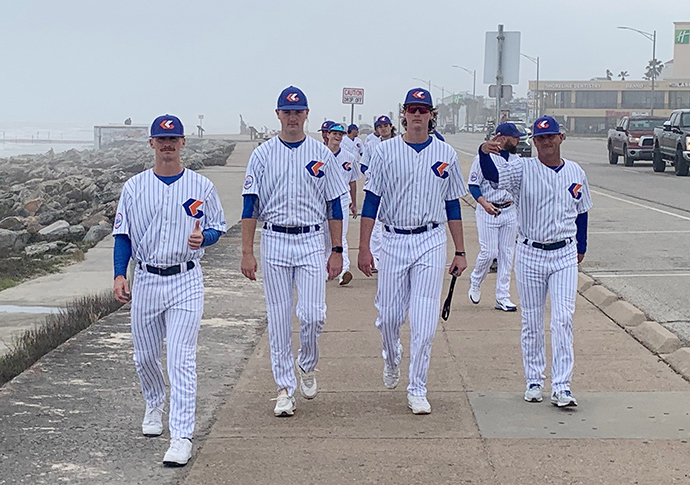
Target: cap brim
{"x":161,"y":135}
{"x":546,"y":133}
{"x":292,"y":107}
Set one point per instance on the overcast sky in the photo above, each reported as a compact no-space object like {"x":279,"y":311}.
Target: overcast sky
{"x":98,"y":62}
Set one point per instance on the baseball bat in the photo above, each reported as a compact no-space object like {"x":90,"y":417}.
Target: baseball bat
{"x":446,"y":305}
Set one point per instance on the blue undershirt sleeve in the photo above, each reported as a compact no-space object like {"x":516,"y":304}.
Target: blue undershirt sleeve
{"x":475,"y":191}
{"x":581,"y":236}
{"x":121,"y":254}
{"x":211,"y":236}
{"x":335,"y":210}
{"x":371,"y":205}
{"x":489,"y":169}
{"x":251,"y":207}
{"x":453,"y":210}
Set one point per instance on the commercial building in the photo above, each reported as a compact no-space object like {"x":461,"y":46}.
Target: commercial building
{"x":595,"y":106}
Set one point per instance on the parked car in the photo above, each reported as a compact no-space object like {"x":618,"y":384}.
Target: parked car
{"x":672,"y":143}
{"x":633,"y":139}
{"x":524,"y":148}
{"x":365,"y":129}
{"x":449,"y":128}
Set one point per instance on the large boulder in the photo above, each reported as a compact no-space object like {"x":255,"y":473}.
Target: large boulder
{"x":7,"y":240}
{"x":13,"y":223}
{"x":57,"y":230}
{"x":98,"y":232}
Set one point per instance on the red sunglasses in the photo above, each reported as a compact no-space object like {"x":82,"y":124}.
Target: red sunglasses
{"x":417,"y":109}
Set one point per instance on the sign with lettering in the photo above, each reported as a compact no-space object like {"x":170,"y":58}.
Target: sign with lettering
{"x":353,"y":96}
{"x":682,"y":36}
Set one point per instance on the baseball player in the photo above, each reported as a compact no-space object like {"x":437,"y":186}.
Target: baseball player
{"x":350,"y":173}
{"x":372,"y":136}
{"x":496,"y":224}
{"x":553,"y":198}
{"x":352,"y":143}
{"x":293,"y":187}
{"x":414,"y":186}
{"x":384,"y":129}
{"x":325,"y":126}
{"x":165,"y":218}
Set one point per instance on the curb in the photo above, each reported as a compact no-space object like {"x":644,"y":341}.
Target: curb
{"x":651,"y":334}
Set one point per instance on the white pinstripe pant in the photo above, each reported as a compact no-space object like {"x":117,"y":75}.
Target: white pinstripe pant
{"x":376,"y":241}
{"x":289,"y":260}
{"x":538,"y":272}
{"x":411,"y":278}
{"x":496,"y":241}
{"x":168,"y":307}
{"x":345,"y":206}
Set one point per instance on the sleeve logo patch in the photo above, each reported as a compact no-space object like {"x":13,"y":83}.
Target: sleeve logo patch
{"x":439,"y":169}
{"x":191,"y":207}
{"x":347,"y":166}
{"x":314,"y":169}
{"x":473,"y":177}
{"x":118,"y":220}
{"x":574,"y":190}
{"x":248,"y":182}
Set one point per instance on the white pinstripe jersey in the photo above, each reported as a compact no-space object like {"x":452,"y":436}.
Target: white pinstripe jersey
{"x":549,"y":201}
{"x":348,"y":169}
{"x":353,"y":146}
{"x":369,"y":148}
{"x":293,"y":184}
{"x":491,"y":194}
{"x":414,"y":186}
{"x":158,"y":218}
{"x":370,"y":137}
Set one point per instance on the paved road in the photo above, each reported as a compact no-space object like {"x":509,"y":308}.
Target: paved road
{"x":639,"y":230}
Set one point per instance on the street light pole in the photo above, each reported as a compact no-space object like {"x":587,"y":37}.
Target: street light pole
{"x":474,"y":92}
{"x":539,"y":100}
{"x":651,"y":37}
{"x":428,"y":82}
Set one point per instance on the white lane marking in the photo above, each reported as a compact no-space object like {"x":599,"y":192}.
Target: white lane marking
{"x":638,"y":275}
{"x":631,"y":170}
{"x":641,"y":205}
{"x":638,"y":232}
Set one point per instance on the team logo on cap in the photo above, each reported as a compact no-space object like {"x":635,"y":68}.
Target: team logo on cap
{"x":574,"y":190}
{"x":439,"y":169}
{"x":292,"y":97}
{"x":191,"y":207}
{"x":347,"y":166}
{"x":543,"y":124}
{"x":418,"y":95}
{"x":167,"y":125}
{"x":118,"y":220}
{"x":314,"y":169}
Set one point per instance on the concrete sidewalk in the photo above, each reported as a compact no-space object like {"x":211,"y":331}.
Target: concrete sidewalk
{"x":632,"y":424}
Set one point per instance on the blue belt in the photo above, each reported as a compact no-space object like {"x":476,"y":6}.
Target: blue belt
{"x":291,"y":229}
{"x":169,"y":271}
{"x":416,"y":230}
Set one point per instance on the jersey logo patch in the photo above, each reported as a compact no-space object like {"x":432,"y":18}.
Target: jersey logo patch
{"x":118,"y":220}
{"x":314,"y":169}
{"x":248,"y":181}
{"x":574,"y":190}
{"x":167,"y":124}
{"x":439,"y":169}
{"x":347,"y":166}
{"x":191,"y":207}
{"x":473,"y":177}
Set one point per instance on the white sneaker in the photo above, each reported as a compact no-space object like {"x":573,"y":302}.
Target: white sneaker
{"x":391,"y":376}
{"x":534,"y":393}
{"x":475,"y":294}
{"x":179,"y":453}
{"x":307,"y":382}
{"x":506,"y":305}
{"x":285,"y":406}
{"x":153,"y":422}
{"x":345,"y":278}
{"x":563,"y":399}
{"x":418,"y":404}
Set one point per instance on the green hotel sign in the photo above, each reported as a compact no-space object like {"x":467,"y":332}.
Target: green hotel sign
{"x":683,"y":36}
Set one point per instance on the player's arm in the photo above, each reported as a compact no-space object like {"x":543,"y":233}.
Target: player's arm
{"x":370,"y":207}
{"x":250,"y":213}
{"x":335,"y":227}
{"x":122,"y":253}
{"x":476,"y":192}
{"x":583,"y":207}
{"x":459,"y":263}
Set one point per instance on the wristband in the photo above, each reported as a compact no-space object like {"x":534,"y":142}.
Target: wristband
{"x":337,"y":249}
{"x":460,"y":253}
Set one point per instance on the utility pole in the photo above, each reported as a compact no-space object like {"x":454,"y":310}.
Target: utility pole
{"x":499,"y":74}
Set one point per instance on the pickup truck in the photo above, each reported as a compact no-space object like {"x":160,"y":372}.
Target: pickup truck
{"x":633,"y":138}
{"x":672,"y":143}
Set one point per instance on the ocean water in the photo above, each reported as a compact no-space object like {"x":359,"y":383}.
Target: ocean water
{"x":36,"y":138}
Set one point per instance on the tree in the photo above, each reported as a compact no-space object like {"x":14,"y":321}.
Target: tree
{"x":623,"y":75}
{"x":653,"y":69}
{"x":609,"y":75}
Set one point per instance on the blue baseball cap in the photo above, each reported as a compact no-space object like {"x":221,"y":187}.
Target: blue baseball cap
{"x":326,"y":125}
{"x":352,"y":127}
{"x":382,"y":120}
{"x":418,"y":96}
{"x":292,"y":98}
{"x":166,"y":125}
{"x":337,"y":127}
{"x":546,"y":125}
{"x":509,"y":129}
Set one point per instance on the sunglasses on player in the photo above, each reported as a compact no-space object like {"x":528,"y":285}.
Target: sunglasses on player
{"x":417,"y":109}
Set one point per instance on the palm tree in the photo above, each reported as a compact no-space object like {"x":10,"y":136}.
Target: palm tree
{"x":623,"y":75}
{"x":653,"y":69}
{"x":609,"y":74}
